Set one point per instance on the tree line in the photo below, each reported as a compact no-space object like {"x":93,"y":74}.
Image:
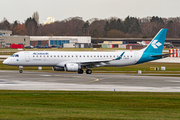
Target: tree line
{"x":130,"y":27}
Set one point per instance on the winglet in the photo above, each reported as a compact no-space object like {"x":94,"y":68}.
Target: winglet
{"x":120,"y":56}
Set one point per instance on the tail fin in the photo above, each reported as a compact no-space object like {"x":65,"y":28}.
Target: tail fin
{"x":157,"y":43}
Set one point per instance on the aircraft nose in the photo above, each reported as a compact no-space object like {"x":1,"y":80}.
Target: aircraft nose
{"x":6,"y":62}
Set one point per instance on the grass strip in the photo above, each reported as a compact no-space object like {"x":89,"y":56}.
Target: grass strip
{"x":75,"y":105}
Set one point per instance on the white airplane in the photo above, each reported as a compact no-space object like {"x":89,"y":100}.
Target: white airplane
{"x":77,"y":61}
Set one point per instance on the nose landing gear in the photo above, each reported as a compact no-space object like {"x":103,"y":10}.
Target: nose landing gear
{"x":21,"y":69}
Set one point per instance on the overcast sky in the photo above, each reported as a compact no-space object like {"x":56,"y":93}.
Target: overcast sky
{"x":61,"y":9}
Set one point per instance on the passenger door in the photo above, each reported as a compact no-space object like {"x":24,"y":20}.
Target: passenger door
{"x":27,"y":56}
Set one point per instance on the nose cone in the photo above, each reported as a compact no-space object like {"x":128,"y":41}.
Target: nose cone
{"x":6,"y":62}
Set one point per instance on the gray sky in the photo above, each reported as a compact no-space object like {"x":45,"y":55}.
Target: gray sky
{"x":61,"y":9}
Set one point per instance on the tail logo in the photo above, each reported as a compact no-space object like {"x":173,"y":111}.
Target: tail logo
{"x":155,"y":44}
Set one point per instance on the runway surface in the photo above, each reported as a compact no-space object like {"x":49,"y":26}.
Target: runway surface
{"x":12,"y":80}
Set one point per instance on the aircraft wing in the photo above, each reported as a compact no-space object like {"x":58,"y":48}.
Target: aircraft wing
{"x":87,"y":62}
{"x":91,"y":63}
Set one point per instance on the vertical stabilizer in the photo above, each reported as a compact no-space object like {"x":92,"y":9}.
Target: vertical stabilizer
{"x":157,"y":43}
{"x":154,"y":48}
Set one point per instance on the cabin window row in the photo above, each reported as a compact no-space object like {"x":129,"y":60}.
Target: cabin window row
{"x":81,"y":56}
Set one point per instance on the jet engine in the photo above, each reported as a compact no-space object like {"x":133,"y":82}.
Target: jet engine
{"x":71,"y":67}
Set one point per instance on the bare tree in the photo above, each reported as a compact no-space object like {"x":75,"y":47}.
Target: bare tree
{"x":36,"y":17}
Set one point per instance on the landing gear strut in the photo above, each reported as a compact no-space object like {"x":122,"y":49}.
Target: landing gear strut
{"x":21,"y":69}
{"x":88,"y":71}
{"x":80,"y":71}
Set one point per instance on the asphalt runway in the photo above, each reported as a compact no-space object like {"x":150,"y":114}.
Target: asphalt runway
{"x":13,"y":80}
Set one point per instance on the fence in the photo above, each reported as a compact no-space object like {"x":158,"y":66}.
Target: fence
{"x":175,"y":51}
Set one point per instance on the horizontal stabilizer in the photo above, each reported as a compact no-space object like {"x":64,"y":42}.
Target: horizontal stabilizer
{"x":163,"y":55}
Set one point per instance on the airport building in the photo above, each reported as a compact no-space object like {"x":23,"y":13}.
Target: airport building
{"x":6,"y":39}
{"x":113,"y":44}
{"x":62,"y":41}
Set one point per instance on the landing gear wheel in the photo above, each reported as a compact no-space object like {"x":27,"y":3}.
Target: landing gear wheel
{"x":20,"y":71}
{"x":80,"y":71}
{"x":88,"y":71}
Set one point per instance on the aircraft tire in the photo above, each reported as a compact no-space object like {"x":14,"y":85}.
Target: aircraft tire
{"x":88,"y":71}
{"x":80,"y":71}
{"x":20,"y":71}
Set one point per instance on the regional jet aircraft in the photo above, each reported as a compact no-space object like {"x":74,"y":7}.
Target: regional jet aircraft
{"x":77,"y":61}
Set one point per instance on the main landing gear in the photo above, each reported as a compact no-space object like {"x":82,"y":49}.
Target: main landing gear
{"x":21,"y":69}
{"x":80,"y":71}
{"x":88,"y":71}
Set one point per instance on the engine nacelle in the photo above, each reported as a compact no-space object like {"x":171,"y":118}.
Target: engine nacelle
{"x":55,"y":68}
{"x":71,"y":67}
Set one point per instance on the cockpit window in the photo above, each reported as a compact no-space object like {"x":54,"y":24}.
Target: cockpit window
{"x":16,"y":55}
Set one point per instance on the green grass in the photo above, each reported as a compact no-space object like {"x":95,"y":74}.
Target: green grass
{"x":6,"y":53}
{"x":78,"y":105}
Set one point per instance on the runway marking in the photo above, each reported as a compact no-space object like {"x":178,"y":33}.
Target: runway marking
{"x":45,"y":75}
{"x":88,"y":82}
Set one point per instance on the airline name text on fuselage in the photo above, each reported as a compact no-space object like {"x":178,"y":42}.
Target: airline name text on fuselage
{"x":37,"y":53}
